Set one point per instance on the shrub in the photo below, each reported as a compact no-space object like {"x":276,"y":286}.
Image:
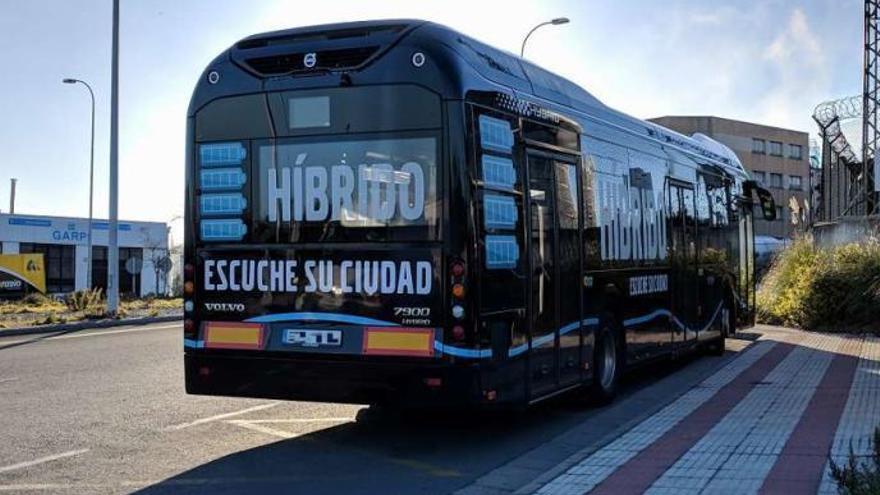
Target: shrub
{"x":836,"y":288}
{"x":859,"y":476}
{"x":83,"y":300}
{"x":846,"y":288}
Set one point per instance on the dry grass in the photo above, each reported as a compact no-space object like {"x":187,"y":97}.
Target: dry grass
{"x":37,"y":309}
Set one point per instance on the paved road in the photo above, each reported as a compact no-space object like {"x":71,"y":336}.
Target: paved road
{"x":104,"y":411}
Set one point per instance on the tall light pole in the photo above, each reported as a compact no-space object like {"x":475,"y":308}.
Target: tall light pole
{"x":113,"y":232}
{"x":91,"y":178}
{"x":555,"y":22}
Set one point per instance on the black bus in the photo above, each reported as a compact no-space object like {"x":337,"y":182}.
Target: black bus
{"x":392,"y":211}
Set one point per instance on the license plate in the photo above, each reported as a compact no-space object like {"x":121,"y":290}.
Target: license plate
{"x":301,"y":337}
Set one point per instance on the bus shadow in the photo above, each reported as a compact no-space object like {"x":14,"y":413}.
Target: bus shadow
{"x":400,"y":452}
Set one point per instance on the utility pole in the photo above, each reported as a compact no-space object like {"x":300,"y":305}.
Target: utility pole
{"x":870,"y":103}
{"x":113,"y":230}
{"x":12,"y":196}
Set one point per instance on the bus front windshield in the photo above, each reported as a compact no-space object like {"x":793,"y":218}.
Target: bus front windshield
{"x":352,"y":188}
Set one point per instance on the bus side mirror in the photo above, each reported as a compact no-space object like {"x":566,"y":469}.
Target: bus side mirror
{"x":768,"y":204}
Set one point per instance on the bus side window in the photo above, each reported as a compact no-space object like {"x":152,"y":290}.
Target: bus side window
{"x":499,"y":204}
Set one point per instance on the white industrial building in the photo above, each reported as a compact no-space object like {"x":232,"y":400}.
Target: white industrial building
{"x":63,"y":241}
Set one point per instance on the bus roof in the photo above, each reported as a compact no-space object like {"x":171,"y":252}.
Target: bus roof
{"x":356,"y":45}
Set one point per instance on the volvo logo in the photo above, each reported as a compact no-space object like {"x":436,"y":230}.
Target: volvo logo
{"x":225,"y":307}
{"x":310,"y":59}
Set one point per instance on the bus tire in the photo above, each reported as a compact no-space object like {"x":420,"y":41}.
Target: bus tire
{"x":607,"y":364}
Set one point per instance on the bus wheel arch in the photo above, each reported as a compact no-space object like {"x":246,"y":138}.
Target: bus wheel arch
{"x":609,"y":359}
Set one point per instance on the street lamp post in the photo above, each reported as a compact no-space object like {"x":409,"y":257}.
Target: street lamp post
{"x":555,"y":22}
{"x":91,"y":179}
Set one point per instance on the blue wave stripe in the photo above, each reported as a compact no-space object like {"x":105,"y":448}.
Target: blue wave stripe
{"x":329,"y":317}
{"x":646,"y":318}
{"x":546,"y":339}
{"x":462,"y":351}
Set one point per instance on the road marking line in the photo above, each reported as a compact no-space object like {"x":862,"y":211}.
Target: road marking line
{"x":22,"y":465}
{"x":38,"y":487}
{"x":221,"y":416}
{"x":256,"y":425}
{"x":264,"y":429}
{"x":90,"y":334}
{"x":111,"y":332}
{"x":293,"y":420}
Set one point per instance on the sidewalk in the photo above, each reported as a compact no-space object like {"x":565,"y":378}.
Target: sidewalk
{"x":766,"y":422}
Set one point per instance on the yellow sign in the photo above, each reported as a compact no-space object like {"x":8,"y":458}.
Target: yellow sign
{"x":18,"y":269}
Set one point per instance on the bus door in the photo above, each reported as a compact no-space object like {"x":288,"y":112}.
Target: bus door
{"x":554,"y":268}
{"x":746,"y":300}
{"x":683,"y":263}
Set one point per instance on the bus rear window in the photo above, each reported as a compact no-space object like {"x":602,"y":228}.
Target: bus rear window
{"x":346,"y":190}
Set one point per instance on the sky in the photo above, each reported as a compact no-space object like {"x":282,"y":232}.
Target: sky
{"x":764,"y":61}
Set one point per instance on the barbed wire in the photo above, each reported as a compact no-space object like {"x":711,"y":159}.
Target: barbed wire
{"x":842,"y":108}
{"x":829,"y":116}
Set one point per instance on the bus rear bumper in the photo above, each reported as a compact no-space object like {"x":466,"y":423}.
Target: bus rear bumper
{"x":357,"y":382}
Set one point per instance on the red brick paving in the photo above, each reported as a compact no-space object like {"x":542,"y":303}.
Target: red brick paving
{"x":800,"y":466}
{"x":640,"y":472}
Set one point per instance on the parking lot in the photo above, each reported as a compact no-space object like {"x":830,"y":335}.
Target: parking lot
{"x":104,"y":411}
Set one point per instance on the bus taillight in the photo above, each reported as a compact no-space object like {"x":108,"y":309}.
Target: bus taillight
{"x":458,"y":311}
{"x":458,"y":291}
{"x":457,"y":269}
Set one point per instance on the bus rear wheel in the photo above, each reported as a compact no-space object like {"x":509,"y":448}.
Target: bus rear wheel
{"x":607,"y":365}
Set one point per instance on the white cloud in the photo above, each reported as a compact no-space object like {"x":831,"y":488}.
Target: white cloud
{"x":796,"y":41}
{"x":801,"y":77}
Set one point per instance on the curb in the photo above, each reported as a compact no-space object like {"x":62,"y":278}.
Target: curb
{"x":82,"y":325}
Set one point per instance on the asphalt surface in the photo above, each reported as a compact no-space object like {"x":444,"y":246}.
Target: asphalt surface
{"x":104,"y":411}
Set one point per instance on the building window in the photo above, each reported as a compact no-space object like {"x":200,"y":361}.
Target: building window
{"x":129,"y":284}
{"x":795,"y":182}
{"x":759,"y":146}
{"x":760,"y":177}
{"x":776,"y":180}
{"x":795,"y":151}
{"x":775,"y":148}
{"x":59,"y":263}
